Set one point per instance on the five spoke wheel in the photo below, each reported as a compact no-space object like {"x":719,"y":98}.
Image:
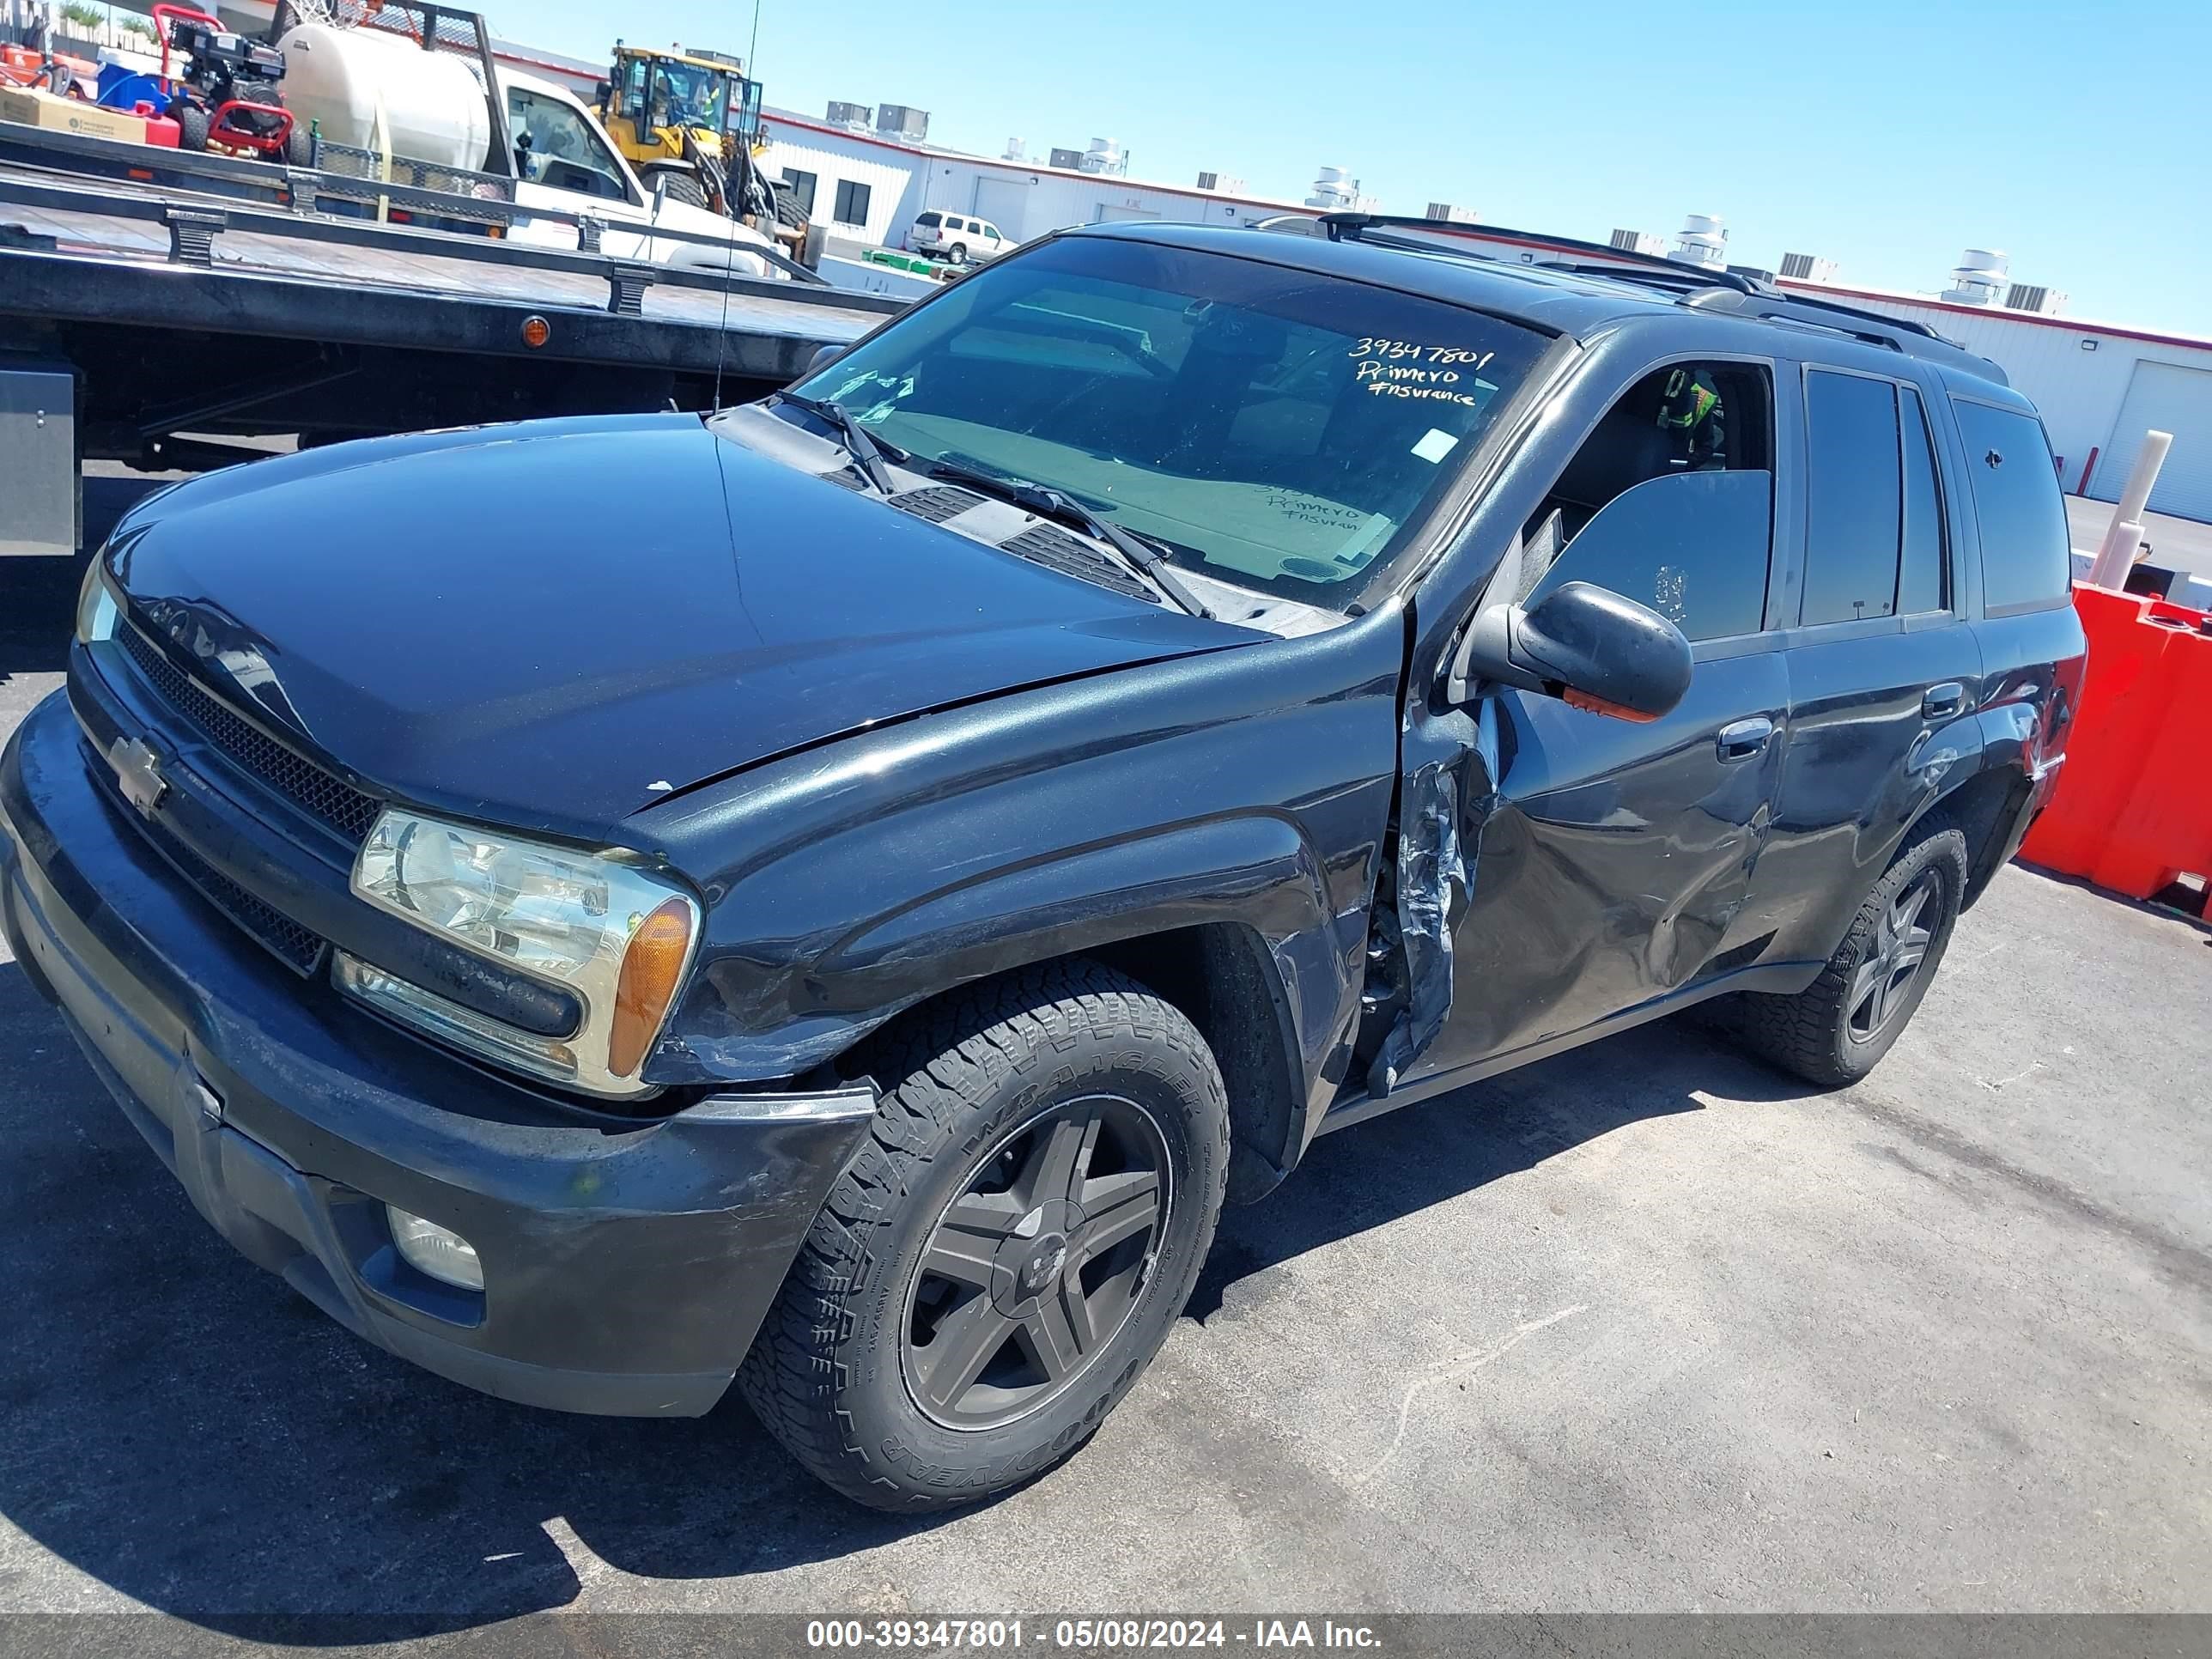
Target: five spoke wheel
{"x":1899,"y":945}
{"x":1036,"y":1263}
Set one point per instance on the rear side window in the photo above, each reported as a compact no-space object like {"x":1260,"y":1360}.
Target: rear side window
{"x":2025,"y":550}
{"x":928,"y":222}
{"x":1854,"y":499}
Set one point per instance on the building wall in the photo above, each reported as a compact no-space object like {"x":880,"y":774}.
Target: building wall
{"x":888,"y":174}
{"x":1023,"y":201}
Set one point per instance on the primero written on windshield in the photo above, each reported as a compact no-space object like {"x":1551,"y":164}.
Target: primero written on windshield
{"x":1407,"y":369}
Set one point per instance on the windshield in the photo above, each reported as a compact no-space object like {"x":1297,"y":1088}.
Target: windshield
{"x":693,"y":97}
{"x":1273,"y":428}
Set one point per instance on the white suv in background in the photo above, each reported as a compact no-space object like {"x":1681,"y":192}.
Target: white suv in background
{"x":956,"y":238}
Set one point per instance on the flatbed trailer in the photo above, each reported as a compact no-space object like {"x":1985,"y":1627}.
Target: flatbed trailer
{"x":145,"y":321}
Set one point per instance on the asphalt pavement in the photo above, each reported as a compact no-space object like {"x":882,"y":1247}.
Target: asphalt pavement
{"x":1647,"y":1326}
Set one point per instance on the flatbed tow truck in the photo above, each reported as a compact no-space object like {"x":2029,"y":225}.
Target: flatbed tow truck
{"x":154,"y":304}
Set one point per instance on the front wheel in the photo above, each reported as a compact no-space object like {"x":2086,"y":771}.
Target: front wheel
{"x":957,"y":254}
{"x":1004,"y":1255}
{"x":1837,"y":1029}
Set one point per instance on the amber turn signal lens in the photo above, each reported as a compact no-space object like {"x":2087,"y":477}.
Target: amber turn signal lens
{"x":536,"y":331}
{"x":650,"y":969}
{"x":1583,"y":700}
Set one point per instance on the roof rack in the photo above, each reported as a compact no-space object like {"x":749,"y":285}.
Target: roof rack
{"x":1693,"y":285}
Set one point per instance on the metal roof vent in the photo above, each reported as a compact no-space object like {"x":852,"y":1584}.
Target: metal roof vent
{"x":2026,"y":297}
{"x":1703,"y":242}
{"x":1017,"y":149}
{"x":1104,"y":155}
{"x":1334,"y":191}
{"x":1640,"y":241}
{"x":1979,"y":279}
{"x":1808,"y":268}
{"x":1457,"y":215}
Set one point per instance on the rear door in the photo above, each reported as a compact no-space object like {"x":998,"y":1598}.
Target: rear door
{"x":1885,"y":673}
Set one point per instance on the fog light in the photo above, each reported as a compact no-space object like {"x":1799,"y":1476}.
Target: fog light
{"x":441,"y":1253}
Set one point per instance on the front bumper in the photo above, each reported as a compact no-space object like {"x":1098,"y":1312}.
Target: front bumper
{"x":626,"y":1265}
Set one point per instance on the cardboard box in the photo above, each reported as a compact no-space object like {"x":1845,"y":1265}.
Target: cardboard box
{"x":43,"y":109}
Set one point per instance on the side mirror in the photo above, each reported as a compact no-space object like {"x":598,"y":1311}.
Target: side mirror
{"x":822,"y":357}
{"x":659,"y":193}
{"x":1584,"y":644}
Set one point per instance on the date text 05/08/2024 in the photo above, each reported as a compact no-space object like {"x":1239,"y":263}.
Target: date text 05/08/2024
{"x":1087,"y":1635}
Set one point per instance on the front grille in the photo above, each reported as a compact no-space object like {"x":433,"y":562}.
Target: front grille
{"x":300,"y":780}
{"x":1048,"y":545}
{"x":299,"y":949}
{"x":937,"y":503}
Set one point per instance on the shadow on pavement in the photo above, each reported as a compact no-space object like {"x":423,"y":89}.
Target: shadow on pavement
{"x":183,"y":1428}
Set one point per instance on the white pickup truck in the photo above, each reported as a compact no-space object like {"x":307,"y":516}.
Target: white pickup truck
{"x":564,"y":160}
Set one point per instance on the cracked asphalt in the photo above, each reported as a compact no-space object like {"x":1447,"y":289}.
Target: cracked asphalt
{"x":1649,"y":1326}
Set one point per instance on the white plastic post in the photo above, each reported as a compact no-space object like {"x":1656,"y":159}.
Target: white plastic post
{"x":2116,"y":554}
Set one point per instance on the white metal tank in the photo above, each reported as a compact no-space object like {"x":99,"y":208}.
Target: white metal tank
{"x":1334,"y":189}
{"x":430,"y":107}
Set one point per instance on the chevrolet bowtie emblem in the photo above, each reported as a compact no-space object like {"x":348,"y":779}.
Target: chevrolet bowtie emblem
{"x":138,"y":774}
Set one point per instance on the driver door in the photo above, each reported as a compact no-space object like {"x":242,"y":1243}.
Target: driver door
{"x":1609,"y":861}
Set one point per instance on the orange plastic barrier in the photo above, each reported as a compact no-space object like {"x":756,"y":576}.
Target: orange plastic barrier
{"x":2133,"y":807}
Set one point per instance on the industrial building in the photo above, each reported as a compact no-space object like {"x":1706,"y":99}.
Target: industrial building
{"x":867,"y":174}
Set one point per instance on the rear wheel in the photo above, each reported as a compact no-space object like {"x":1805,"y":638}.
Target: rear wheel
{"x":192,"y":127}
{"x":1836,"y":1029}
{"x":1004,"y":1255}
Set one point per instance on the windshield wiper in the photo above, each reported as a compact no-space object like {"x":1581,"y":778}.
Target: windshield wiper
{"x":1140,"y":552}
{"x":859,"y":443}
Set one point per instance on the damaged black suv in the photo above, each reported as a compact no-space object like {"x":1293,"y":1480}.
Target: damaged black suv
{"x":843,"y":920}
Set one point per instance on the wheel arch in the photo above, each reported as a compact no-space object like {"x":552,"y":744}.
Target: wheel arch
{"x":1983,"y":806}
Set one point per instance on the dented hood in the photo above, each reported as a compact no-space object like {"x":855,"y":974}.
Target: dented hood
{"x":559,"y":622}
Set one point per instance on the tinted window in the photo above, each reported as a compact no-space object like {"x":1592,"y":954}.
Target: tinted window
{"x":1276,"y":429}
{"x":852,"y":203}
{"x":799,"y":186}
{"x":992,"y":231}
{"x":1853,"y":498}
{"x":555,"y":147}
{"x":929,"y":221}
{"x":2025,"y":544}
{"x":1692,"y":545}
{"x":1920,"y":572}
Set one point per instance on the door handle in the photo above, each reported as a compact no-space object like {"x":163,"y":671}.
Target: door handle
{"x":1943,"y":700}
{"x":1741,"y":740}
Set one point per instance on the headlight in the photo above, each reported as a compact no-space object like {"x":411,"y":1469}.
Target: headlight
{"x":95,"y":606}
{"x":618,"y":936}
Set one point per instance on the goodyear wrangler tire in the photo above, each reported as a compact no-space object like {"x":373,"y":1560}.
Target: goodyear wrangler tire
{"x":1003,"y":1256}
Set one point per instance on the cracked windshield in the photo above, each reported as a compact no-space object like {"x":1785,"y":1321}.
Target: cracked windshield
{"x":1270,"y":427}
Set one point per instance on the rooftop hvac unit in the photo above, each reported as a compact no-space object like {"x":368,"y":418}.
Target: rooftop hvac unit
{"x":897,"y":121}
{"x":1334,"y":191}
{"x":1070,"y":159}
{"x":1458,"y":215}
{"x":1808,"y":268}
{"x":1220,"y":182}
{"x":1703,"y":242}
{"x":1640,"y":241}
{"x":1104,"y":155}
{"x":2025,"y":296}
{"x":861,"y":117}
{"x":1017,"y":149}
{"x":1979,"y":278}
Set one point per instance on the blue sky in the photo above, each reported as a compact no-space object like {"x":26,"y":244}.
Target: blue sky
{"x":1887,"y":136}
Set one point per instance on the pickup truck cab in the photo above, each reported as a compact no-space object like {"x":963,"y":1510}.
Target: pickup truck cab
{"x":1172,"y":695}
{"x":564,"y":160}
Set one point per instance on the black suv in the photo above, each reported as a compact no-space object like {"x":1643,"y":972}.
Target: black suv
{"x":835,"y":894}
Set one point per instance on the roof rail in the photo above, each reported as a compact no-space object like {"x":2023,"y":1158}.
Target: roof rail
{"x":1694,"y":285}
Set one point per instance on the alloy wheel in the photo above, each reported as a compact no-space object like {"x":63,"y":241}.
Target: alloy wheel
{"x":1037,"y":1263}
{"x":1900,"y":946}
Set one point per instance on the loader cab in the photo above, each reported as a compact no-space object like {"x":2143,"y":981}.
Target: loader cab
{"x":654,"y":98}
